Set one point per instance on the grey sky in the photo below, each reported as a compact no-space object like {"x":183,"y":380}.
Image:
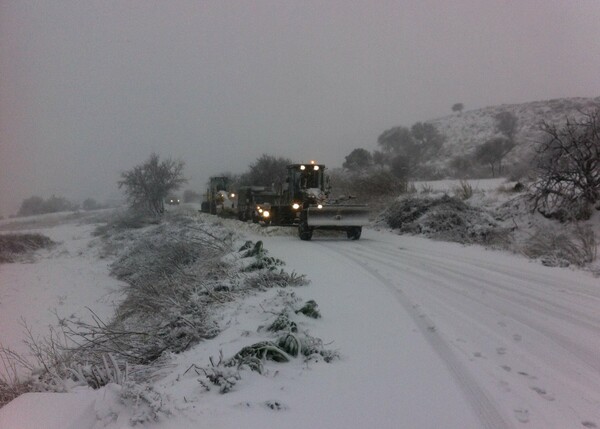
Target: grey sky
{"x":89,"y":88}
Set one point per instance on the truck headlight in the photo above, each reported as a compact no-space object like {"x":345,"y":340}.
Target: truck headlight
{"x":320,"y":206}
{"x":295,"y":206}
{"x":266,"y":213}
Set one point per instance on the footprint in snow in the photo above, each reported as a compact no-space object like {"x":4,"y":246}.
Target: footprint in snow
{"x":589,"y":424}
{"x":506,"y":368}
{"x":517,"y":337}
{"x":522,"y":415}
{"x":524,"y":374}
{"x":275,"y":405}
{"x":501,"y":350}
{"x":543,"y":393}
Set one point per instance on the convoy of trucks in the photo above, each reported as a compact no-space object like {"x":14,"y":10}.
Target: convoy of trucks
{"x":302,"y":201}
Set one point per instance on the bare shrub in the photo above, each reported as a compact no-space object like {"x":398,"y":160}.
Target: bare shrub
{"x":511,"y":189}
{"x":124,"y":220}
{"x":568,"y":164}
{"x":177,"y":274}
{"x":426,"y":189}
{"x":11,"y":385}
{"x":147,"y":185}
{"x":464,"y":190}
{"x":572,"y":246}
{"x":369,"y":185}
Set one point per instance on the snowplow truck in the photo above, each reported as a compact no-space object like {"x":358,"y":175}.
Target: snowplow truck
{"x":217,"y":197}
{"x":252,"y":200}
{"x":303,"y":201}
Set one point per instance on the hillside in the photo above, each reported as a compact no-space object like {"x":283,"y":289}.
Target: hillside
{"x":469,"y":129}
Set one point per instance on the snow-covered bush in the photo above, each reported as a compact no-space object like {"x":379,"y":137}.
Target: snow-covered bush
{"x":123,"y":221}
{"x":16,"y":246}
{"x":446,"y":218}
{"x":11,"y":385}
{"x":570,"y":246}
{"x":178,"y":273}
{"x":286,"y":341}
{"x":464,"y":190}
{"x":368,"y":185}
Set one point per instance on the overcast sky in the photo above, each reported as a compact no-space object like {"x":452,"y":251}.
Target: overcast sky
{"x":89,"y":89}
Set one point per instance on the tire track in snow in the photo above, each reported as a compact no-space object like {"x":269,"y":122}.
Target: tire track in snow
{"x":559,"y":353}
{"x":485,"y":270}
{"x":527,"y":303}
{"x":483,"y":406}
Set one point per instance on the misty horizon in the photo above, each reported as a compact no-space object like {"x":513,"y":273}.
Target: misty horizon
{"x":90,"y":89}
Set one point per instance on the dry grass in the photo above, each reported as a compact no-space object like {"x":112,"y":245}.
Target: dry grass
{"x":571,"y":246}
{"x":178,"y":273}
{"x":14,"y":247}
{"x":464,"y":190}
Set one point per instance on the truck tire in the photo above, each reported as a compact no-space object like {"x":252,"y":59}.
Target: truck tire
{"x":305,"y":232}
{"x":354,"y":232}
{"x":204,"y":207}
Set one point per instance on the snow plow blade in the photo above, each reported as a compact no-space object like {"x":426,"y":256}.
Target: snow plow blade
{"x":337,"y":216}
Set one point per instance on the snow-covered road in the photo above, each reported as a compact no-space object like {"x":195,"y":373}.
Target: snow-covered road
{"x":430,"y":335}
{"x":520,"y":340}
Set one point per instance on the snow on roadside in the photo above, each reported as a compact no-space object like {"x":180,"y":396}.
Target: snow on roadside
{"x":387,"y":376}
{"x":348,"y":393}
{"x":61,"y":283}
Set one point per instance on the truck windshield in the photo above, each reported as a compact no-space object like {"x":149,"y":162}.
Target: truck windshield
{"x":310,"y":179}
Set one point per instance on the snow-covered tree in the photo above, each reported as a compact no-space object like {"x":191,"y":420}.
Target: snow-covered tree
{"x":147,"y":185}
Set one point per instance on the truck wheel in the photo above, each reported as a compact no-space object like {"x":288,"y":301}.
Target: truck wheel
{"x":304,"y":231}
{"x":354,"y":232}
{"x":205,"y":207}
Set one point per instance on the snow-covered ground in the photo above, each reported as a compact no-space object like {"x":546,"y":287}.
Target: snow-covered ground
{"x":65,"y":282}
{"x":430,"y":335}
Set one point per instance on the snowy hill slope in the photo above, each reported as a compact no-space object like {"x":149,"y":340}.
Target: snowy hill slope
{"x":465,"y":131}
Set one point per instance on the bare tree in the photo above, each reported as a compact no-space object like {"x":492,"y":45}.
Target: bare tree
{"x":266,"y":171}
{"x":428,"y":140}
{"x":31,"y":206}
{"x":493,"y":151}
{"x":506,"y":124}
{"x":397,"y":140}
{"x":568,"y":164}
{"x":147,"y":185}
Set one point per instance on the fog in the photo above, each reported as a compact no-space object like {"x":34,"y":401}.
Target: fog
{"x":89,"y":89}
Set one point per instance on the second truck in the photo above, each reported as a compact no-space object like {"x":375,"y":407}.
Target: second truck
{"x":303,"y":201}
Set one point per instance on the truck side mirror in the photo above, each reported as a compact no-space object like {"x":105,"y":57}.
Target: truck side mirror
{"x":327,"y":184}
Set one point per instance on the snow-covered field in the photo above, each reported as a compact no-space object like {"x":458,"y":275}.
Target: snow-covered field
{"x":430,"y":335}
